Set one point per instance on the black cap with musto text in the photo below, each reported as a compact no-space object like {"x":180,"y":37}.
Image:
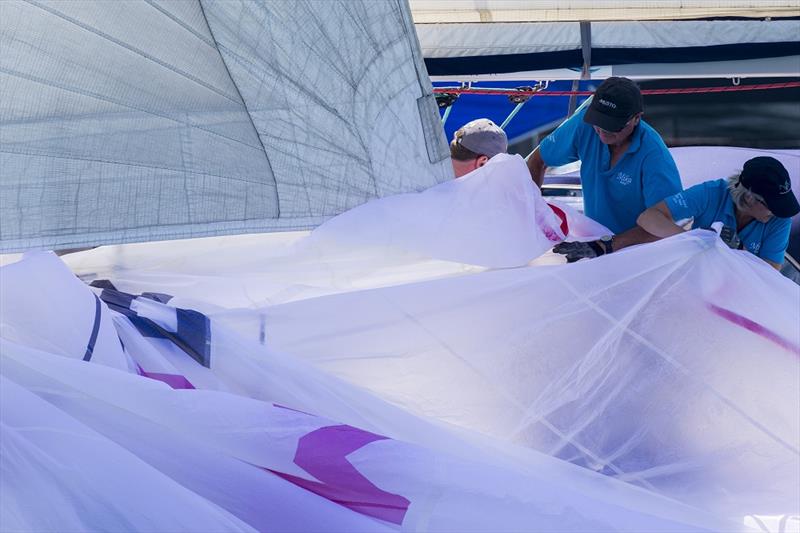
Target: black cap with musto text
{"x":614,"y":103}
{"x":767,"y":177}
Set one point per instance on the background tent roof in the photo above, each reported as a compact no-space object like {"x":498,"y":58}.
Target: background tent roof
{"x":554,"y":40}
{"x":657,"y":49}
{"x":151,"y":120}
{"x":460,"y":11}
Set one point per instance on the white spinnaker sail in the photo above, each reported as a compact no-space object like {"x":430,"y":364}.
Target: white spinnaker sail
{"x":671,"y":366}
{"x":150,"y":120}
{"x":595,"y":363}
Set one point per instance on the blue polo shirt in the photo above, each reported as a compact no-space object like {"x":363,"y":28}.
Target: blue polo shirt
{"x":711,"y":202}
{"x":615,"y":197}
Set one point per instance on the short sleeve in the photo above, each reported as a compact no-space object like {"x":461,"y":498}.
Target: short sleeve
{"x":660,"y":178}
{"x":776,"y":239}
{"x":690,"y":203}
{"x":561,"y":146}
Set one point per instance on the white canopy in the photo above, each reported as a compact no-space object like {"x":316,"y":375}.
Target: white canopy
{"x":470,"y":40}
{"x":460,"y":11}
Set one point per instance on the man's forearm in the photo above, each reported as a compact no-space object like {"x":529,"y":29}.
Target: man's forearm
{"x":536,"y":167}
{"x":576,"y":250}
{"x":635,"y":235}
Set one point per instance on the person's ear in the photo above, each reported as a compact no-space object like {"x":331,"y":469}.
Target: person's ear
{"x":482,"y":160}
{"x":638,"y":118}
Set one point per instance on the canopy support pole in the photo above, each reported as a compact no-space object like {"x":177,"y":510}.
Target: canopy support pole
{"x":446,"y":114}
{"x":586,"y":49}
{"x":511,"y":115}
{"x":526,"y":93}
{"x":447,"y":99}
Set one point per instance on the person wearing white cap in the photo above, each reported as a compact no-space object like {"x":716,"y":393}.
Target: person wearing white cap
{"x":475,"y":143}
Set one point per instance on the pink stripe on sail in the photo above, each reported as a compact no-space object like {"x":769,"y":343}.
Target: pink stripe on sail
{"x":176,"y":381}
{"x":323,"y":454}
{"x":755,"y":327}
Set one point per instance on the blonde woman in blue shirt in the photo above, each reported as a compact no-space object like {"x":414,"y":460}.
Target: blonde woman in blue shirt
{"x":754,"y":207}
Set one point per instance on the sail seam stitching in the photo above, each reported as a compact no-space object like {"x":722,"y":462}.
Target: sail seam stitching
{"x":131,"y":49}
{"x":246,"y":109}
{"x":182,"y":24}
{"x":128,"y":164}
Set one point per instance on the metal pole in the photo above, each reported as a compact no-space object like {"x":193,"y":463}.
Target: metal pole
{"x":511,"y":115}
{"x":446,"y":114}
{"x":586,"y":49}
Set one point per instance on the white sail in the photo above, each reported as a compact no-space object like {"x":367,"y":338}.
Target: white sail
{"x":458,"y":395}
{"x":147,"y":120}
{"x":418,"y":363}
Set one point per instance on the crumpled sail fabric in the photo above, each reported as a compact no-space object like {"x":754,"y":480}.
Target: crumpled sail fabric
{"x":215,"y":460}
{"x":654,"y":389}
{"x":485,"y":218}
{"x":672,"y":366}
{"x":466,"y":225}
{"x":191,"y":118}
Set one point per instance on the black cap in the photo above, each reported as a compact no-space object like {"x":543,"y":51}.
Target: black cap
{"x":767,"y":177}
{"x":614,"y":103}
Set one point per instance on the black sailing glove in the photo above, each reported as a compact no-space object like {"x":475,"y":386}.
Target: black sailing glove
{"x":575,"y":251}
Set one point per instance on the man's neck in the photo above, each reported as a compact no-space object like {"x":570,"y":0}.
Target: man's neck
{"x":618,"y":150}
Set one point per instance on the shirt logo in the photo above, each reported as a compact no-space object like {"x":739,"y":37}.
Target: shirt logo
{"x":680,"y":200}
{"x":623,"y":179}
{"x":754,"y":247}
{"x":606,"y":103}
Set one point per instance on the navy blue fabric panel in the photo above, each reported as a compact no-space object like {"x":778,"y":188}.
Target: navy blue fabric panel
{"x":155,"y":296}
{"x":496,"y":64}
{"x":194,"y":330}
{"x":103,"y":284}
{"x":98,"y":311}
{"x":119,"y":301}
{"x":446,"y":66}
{"x":159,"y":297}
{"x":145,"y":326}
{"x":693,"y":54}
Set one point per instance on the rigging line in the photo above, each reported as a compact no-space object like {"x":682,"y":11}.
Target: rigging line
{"x":687,"y":90}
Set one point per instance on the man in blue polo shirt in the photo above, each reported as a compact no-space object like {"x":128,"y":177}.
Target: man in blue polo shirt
{"x":755,"y":209}
{"x":625,"y":166}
